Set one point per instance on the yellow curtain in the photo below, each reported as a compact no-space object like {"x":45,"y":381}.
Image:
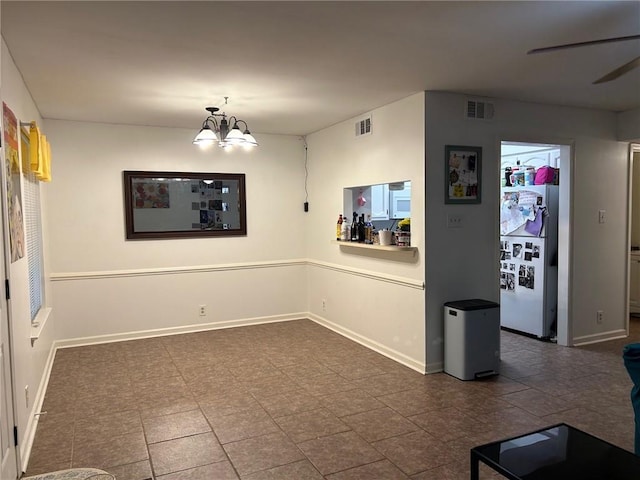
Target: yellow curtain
{"x":46,"y":174}
{"x":40,"y":154}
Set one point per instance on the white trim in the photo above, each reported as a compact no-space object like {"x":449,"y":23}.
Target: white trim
{"x":599,"y":337}
{"x":32,"y":424}
{"x":142,"y":272}
{"x":164,"y":332}
{"x":38,"y":325}
{"x":403,"y":281}
{"x":371,"y":344}
{"x":629,"y":309}
{"x":435,"y":367}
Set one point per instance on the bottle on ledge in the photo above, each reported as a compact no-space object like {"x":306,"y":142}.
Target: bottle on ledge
{"x":368,"y":231}
{"x":345,"y":232}
{"x":361,"y":229}
{"x":339,"y":228}
{"x":354,"y":228}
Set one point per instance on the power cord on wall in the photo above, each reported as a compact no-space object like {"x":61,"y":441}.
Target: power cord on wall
{"x":306,"y":173}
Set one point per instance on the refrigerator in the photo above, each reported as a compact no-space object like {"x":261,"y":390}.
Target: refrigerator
{"x":529,"y":259}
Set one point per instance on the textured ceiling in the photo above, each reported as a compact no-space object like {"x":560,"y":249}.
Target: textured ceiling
{"x":297,"y":67}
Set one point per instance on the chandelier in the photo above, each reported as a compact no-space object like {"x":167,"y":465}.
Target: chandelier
{"x":226,"y":132}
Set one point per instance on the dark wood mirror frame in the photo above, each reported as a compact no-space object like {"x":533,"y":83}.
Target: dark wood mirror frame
{"x":160,"y":205}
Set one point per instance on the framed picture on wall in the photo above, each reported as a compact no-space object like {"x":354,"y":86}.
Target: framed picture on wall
{"x":462,"y":174}
{"x":160,"y":205}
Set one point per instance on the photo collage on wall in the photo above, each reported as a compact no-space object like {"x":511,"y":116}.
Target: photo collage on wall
{"x":151,"y":195}
{"x":520,"y":255}
{"x":211,"y":204}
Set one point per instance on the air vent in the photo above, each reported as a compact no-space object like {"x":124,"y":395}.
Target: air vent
{"x":477,"y":110}
{"x":363,"y":127}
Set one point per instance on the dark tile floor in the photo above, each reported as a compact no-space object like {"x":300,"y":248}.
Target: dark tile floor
{"x":294,"y":400}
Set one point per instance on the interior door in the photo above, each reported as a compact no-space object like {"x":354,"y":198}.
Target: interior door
{"x":8,"y":450}
{"x":8,"y":467}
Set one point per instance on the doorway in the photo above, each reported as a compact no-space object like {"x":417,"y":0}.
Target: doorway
{"x":535,"y":238}
{"x":634,"y":237}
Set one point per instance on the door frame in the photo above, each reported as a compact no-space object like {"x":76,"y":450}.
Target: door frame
{"x":565,"y":236}
{"x":633,"y":149}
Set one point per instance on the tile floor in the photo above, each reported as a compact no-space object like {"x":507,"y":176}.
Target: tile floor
{"x":294,"y":400}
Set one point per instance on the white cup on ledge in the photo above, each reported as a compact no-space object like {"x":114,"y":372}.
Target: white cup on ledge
{"x":386,"y":237}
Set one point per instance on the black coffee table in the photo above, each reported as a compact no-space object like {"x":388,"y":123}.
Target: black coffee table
{"x":558,"y":452}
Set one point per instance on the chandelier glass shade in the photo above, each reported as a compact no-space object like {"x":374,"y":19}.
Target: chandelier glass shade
{"x":218,"y":131}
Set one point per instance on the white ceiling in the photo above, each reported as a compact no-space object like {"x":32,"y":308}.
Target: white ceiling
{"x":297,"y":67}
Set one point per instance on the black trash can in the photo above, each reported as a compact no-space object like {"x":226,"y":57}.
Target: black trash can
{"x":631,"y":356}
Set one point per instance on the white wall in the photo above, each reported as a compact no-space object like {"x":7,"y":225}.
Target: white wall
{"x":29,"y":360}
{"x":629,"y":125}
{"x":463,"y":263}
{"x":105,"y":285}
{"x":361,"y":301}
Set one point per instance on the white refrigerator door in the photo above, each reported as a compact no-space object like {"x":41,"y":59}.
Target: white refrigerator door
{"x":522,"y":284}
{"x":517,"y":204}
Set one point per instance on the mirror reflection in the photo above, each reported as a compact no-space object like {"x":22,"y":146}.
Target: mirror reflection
{"x":176,"y":204}
{"x":386,"y":203}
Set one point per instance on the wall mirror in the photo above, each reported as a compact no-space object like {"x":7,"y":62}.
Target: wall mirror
{"x":179,"y":205}
{"x":385,"y":202}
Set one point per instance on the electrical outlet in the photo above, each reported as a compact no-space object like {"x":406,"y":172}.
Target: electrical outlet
{"x":203,"y":310}
{"x":454,"y":221}
{"x":599,"y":317}
{"x":324,"y":305}
{"x":26,"y":395}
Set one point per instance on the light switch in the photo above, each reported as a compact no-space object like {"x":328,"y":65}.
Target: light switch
{"x":601,"y":216}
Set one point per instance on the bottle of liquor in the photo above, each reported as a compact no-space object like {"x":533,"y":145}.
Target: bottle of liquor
{"x":345,"y":232}
{"x":354,"y":228}
{"x":339,"y":228}
{"x":349,"y":227}
{"x":368,"y":231}
{"x":361,"y":229}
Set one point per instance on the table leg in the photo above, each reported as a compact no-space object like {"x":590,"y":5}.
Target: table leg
{"x":474,"y":467}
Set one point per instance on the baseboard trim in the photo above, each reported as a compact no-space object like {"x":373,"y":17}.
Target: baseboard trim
{"x":371,"y":344}
{"x":27,"y":443}
{"x":30,"y":433}
{"x":599,"y":337}
{"x":435,"y":367}
{"x":163,"y":332}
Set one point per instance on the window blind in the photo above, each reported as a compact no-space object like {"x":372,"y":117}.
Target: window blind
{"x":33,"y":226}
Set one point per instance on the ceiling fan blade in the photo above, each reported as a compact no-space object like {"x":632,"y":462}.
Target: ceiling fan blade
{"x":583,"y":44}
{"x":618,"y":72}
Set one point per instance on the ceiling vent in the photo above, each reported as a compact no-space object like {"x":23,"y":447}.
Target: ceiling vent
{"x":477,"y":110}
{"x":363,"y":127}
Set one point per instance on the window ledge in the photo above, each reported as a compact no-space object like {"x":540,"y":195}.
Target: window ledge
{"x":388,"y":248}
{"x":38,"y":324}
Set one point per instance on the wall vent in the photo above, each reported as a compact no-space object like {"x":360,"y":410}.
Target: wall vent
{"x":363,"y":127}
{"x":478,"y":110}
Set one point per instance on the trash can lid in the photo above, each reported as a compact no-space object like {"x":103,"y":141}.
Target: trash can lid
{"x":472,"y":304}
